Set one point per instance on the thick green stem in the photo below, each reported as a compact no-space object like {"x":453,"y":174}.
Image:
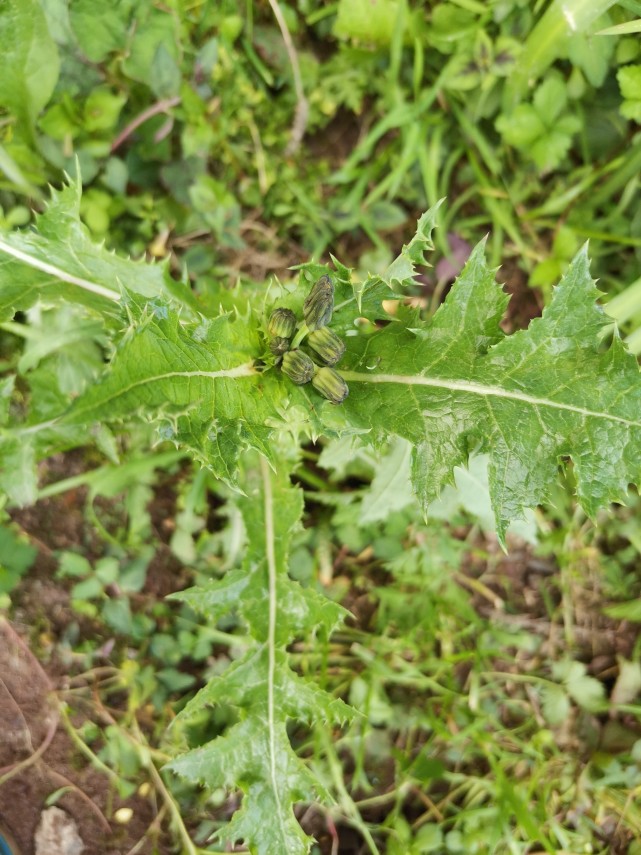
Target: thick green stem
{"x":300,"y":335}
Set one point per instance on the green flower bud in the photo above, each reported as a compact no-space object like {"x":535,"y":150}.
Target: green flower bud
{"x":319,"y":305}
{"x":282,"y":323}
{"x":327,"y":345}
{"x":331,"y":385}
{"x":298,"y":367}
{"x":279,"y":345}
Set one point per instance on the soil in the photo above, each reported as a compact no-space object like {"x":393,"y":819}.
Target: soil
{"x":32,"y":729}
{"x":37,"y":756}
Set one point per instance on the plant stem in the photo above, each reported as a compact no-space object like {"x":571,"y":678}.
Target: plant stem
{"x":302,"y":105}
{"x":300,"y":335}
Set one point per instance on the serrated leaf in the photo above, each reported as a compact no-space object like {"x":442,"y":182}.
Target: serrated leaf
{"x":401,"y":271}
{"x":256,"y":754}
{"x":449,"y":386}
{"x":301,"y":610}
{"x":245,"y":684}
{"x":471,"y":493}
{"x":270,"y":518}
{"x":261,"y":762}
{"x":59,"y":261}
{"x":529,"y":400}
{"x":200,"y":385}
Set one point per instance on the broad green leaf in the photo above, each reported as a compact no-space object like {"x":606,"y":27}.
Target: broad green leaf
{"x":630,"y":610}
{"x":628,"y":683}
{"x":390,"y":489}
{"x":585,"y":690}
{"x":156,"y":30}
{"x":456,"y":385}
{"x":550,"y":99}
{"x":556,"y":705}
{"x":165,"y":75}
{"x":29,"y":62}
{"x":101,"y":26}
{"x":16,"y":556}
{"x":522,"y":127}
{"x":364,"y":21}
{"x":59,"y":261}
{"x":592,"y":55}
{"x":18,"y":471}
{"x":629,"y":78}
{"x":200,"y":385}
{"x":542,"y":130}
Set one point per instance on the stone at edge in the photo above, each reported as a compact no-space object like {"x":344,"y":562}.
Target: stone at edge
{"x":57,"y":834}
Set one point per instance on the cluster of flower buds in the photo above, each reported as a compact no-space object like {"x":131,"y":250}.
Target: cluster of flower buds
{"x":286,"y":335}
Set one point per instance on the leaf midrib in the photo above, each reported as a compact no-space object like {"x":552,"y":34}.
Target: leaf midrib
{"x":483,"y":391}
{"x":272,"y":573}
{"x":247,"y":369}
{"x":58,"y":273}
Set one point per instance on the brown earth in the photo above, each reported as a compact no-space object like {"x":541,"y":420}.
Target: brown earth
{"x":38,"y":759}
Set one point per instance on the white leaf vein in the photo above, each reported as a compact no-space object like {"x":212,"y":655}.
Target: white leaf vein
{"x":485,"y":392}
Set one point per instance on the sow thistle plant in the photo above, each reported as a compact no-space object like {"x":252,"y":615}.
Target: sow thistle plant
{"x":241,"y":389}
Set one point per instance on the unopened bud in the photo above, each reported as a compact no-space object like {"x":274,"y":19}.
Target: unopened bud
{"x":298,"y":367}
{"x":282,"y":323}
{"x":279,"y":345}
{"x":331,"y":385}
{"x":327,"y":345}
{"x":319,"y":305}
